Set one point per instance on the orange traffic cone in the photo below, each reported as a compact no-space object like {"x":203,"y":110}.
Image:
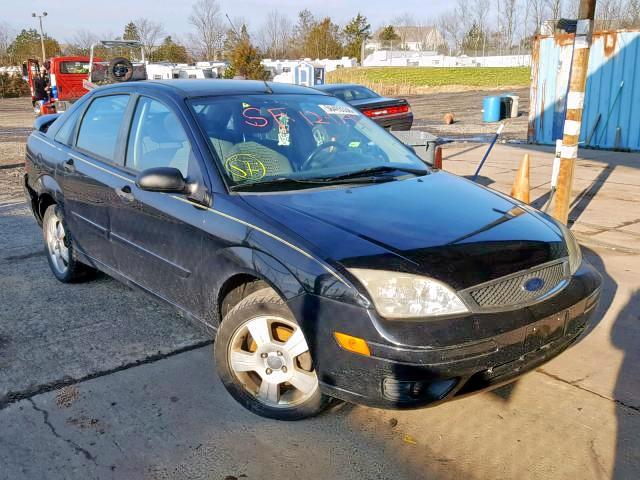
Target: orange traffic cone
{"x":520,"y":189}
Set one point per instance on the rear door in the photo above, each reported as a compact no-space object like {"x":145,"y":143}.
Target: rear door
{"x":156,"y":236}
{"x":89,"y":173}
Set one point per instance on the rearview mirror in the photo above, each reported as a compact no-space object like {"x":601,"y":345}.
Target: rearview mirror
{"x":162,"y":179}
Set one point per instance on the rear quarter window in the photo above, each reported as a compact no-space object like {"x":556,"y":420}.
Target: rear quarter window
{"x":98,"y":134}
{"x":69,"y":121}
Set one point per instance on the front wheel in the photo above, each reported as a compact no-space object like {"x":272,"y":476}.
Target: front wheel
{"x":264,"y":361}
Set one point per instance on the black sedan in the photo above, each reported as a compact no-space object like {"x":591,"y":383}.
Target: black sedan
{"x":324,"y":256}
{"x":390,"y":113}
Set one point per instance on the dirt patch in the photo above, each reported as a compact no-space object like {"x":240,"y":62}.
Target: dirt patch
{"x":66,"y":396}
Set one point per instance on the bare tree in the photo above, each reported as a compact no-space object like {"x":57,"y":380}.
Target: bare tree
{"x":206,"y":20}
{"x":632,"y":14}
{"x":509,"y":19}
{"x":555,"y":9}
{"x":402,"y":23}
{"x":82,"y":41}
{"x":450,"y":28}
{"x":275,"y":35}
{"x":150,"y":34}
{"x":7,"y":34}
{"x":538,"y":11}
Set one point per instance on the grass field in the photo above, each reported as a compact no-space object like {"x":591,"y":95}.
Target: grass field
{"x":412,"y":80}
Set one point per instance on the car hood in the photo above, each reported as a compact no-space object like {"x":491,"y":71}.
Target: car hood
{"x":438,"y":225}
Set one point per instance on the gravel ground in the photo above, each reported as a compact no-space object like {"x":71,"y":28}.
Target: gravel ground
{"x":429,"y":111}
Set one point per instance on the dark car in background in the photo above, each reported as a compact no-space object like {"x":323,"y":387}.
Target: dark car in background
{"x":390,"y":113}
{"x":327,"y":259}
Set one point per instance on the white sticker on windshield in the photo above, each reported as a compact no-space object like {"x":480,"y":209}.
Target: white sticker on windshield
{"x":337,"y":109}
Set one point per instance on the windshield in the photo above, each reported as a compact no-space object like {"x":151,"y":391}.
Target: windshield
{"x":74,"y":67}
{"x":261,"y":138}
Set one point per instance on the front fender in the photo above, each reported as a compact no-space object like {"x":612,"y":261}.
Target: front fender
{"x":233,"y":261}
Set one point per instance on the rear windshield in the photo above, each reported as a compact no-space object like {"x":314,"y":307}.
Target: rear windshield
{"x":349,"y":94}
{"x":74,"y":67}
{"x":258,"y":138}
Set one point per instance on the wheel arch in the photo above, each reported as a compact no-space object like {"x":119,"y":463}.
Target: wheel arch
{"x":252,"y":270}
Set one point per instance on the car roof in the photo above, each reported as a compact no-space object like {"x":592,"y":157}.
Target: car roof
{"x":334,"y":86}
{"x":190,"y":88}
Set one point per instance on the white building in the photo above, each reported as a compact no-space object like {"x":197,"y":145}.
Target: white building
{"x":414,"y":39}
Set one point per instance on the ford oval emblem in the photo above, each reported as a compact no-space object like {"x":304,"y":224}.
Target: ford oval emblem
{"x":533,"y":284}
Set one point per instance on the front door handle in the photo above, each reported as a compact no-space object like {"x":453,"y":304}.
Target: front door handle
{"x":125,"y":193}
{"x":69,"y":166}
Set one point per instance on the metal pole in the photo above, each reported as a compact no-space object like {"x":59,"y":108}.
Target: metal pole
{"x":575,"y":105}
{"x":44,"y":56}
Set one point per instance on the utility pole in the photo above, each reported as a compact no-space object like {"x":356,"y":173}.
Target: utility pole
{"x":575,"y":105}
{"x":44,"y":14}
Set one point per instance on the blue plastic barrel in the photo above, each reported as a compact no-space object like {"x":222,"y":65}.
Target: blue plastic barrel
{"x":491,"y":107}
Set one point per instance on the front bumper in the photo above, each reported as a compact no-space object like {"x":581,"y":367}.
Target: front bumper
{"x":419,"y":363}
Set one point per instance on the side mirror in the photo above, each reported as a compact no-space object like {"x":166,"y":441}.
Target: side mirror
{"x":162,"y":179}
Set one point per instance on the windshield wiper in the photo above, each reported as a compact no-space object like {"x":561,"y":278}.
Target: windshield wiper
{"x":370,"y":172}
{"x":273,"y":182}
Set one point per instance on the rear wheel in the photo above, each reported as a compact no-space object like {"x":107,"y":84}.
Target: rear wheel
{"x":264,"y":361}
{"x":59,"y":248}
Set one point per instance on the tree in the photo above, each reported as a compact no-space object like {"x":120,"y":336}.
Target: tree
{"x":275,"y":35}
{"x":306,"y":22}
{"x":170,"y":51}
{"x":149,"y":32}
{"x":131,"y":32}
{"x":6,"y":36}
{"x":323,"y":40}
{"x":209,"y":30}
{"x":27,"y":45}
{"x":388,"y":34}
{"x":474,"y":39}
{"x":632,"y":14}
{"x":81,"y":42}
{"x":245,"y":61}
{"x":233,"y":39}
{"x":355,"y":33}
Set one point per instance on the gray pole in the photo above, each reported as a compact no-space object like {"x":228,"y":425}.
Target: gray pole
{"x":44,"y":55}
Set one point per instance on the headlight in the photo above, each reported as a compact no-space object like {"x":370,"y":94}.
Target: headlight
{"x":403,"y":295}
{"x":575,"y":254}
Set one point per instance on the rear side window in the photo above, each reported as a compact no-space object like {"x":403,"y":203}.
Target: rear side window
{"x":100,"y":126}
{"x":65,"y":133}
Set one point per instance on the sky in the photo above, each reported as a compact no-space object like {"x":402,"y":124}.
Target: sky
{"x":67,"y":16}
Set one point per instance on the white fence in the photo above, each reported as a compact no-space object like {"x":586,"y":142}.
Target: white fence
{"x":403,"y":58}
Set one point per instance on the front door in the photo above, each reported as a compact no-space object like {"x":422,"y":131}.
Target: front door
{"x":156,"y":236}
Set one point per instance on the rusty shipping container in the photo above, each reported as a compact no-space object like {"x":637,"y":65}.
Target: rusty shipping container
{"x":611,"y":117}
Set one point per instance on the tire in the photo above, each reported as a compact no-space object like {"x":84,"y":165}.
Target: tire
{"x":270,"y":377}
{"x":120,"y":70}
{"x":59,"y":248}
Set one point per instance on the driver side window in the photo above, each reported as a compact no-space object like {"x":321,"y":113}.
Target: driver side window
{"x":157,"y":139}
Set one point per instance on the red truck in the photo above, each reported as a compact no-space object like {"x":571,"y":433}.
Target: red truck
{"x":65,"y":80}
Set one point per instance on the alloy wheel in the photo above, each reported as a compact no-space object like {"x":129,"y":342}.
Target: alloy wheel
{"x":270,"y":357}
{"x":57,"y":244}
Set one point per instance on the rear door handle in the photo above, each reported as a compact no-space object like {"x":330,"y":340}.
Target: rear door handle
{"x":69,"y":165}
{"x":125,"y":193}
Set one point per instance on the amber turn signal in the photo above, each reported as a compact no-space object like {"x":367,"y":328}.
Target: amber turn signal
{"x":352,"y":344}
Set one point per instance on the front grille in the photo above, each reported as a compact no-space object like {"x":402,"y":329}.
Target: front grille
{"x":511,"y":291}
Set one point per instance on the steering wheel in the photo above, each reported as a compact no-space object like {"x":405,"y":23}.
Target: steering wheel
{"x":320,"y":148}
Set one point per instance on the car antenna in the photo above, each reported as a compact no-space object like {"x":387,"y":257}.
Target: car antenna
{"x":266,"y":84}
